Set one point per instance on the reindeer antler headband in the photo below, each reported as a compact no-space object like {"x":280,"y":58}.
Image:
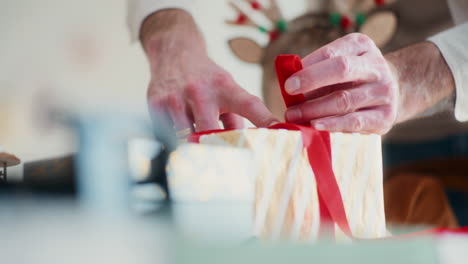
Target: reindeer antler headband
{"x":364,"y":16}
{"x":271,"y":11}
{"x":351,"y":14}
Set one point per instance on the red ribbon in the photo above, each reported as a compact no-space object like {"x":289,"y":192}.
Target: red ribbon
{"x":319,"y":151}
{"x":287,"y":65}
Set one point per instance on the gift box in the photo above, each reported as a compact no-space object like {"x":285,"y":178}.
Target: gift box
{"x":300,"y":180}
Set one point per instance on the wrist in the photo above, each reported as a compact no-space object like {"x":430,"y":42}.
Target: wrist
{"x":423,"y":77}
{"x":170,"y":30}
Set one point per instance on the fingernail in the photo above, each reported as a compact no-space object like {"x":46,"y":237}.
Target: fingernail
{"x":293,"y":115}
{"x":292,"y":84}
{"x":319,"y":126}
{"x":273,"y":123}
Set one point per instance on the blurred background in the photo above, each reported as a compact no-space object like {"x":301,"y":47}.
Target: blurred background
{"x":78,"y":55}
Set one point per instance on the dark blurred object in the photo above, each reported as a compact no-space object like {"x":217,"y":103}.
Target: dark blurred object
{"x":55,"y":176}
{"x":158,"y":170}
{"x":165,"y":133}
{"x":432,"y":191}
{"x":58,"y":175}
{"x":417,"y":199}
{"x":7,"y":160}
{"x":404,"y":153}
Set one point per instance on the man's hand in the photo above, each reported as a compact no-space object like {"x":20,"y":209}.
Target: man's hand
{"x":350,"y":87}
{"x":187,"y":85}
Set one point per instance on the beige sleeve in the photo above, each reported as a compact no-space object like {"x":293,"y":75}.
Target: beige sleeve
{"x":453,"y":45}
{"x":138,"y":10}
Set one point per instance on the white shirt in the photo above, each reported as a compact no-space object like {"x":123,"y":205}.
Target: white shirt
{"x":138,"y":10}
{"x":452,"y":43}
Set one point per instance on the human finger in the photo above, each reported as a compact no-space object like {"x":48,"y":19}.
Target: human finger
{"x":339,"y":103}
{"x":231,"y":121}
{"x":252,"y":108}
{"x":378,"y":120}
{"x":354,"y":44}
{"x":177,"y":110}
{"x":333,"y":71}
{"x":204,"y":108}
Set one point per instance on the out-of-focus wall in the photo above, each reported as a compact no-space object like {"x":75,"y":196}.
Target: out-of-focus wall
{"x":77,"y":54}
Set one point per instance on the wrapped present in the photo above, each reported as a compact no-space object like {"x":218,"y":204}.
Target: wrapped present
{"x":297,"y":188}
{"x":302,"y":181}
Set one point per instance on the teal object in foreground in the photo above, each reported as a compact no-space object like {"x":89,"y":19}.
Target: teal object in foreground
{"x":377,"y":251}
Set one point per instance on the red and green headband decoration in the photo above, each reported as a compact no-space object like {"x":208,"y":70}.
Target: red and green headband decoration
{"x":272,"y":12}
{"x":348,"y":22}
{"x":364,"y":16}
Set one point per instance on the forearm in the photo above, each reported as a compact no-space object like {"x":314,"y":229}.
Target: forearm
{"x":170,"y":30}
{"x":424,"y":79}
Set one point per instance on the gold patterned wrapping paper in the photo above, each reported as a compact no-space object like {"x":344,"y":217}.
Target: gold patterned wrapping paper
{"x":271,"y":167}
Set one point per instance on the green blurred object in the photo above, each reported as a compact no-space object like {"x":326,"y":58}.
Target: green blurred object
{"x":377,"y":251}
{"x":282,"y":26}
{"x":360,"y":19}
{"x":335,"y":18}
{"x":262,"y":29}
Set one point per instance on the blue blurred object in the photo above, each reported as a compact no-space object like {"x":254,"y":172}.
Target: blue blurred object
{"x":459,"y":202}
{"x":397,"y":154}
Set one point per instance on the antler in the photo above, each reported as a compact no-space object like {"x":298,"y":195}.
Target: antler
{"x":352,"y":13}
{"x":242,"y":18}
{"x":271,"y":12}
{"x":357,"y":6}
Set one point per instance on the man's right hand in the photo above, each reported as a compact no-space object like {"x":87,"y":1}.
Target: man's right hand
{"x":187,"y":85}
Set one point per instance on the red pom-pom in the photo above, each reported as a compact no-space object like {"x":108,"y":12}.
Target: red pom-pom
{"x":346,"y":23}
{"x":255,"y":5}
{"x":241,"y":19}
{"x":379,"y":2}
{"x":273,"y":35}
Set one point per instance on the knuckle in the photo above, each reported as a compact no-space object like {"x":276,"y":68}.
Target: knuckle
{"x":343,"y":66}
{"x":353,"y":36}
{"x":388,"y":115}
{"x":357,"y":123}
{"x":172,"y":99}
{"x":193,"y":88}
{"x":329,"y":52}
{"x":156,"y":102}
{"x":388,"y":93}
{"x":222,"y":79}
{"x":386,"y":100}
{"x":344,"y":101}
{"x":361,"y":40}
{"x":387,"y":90}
